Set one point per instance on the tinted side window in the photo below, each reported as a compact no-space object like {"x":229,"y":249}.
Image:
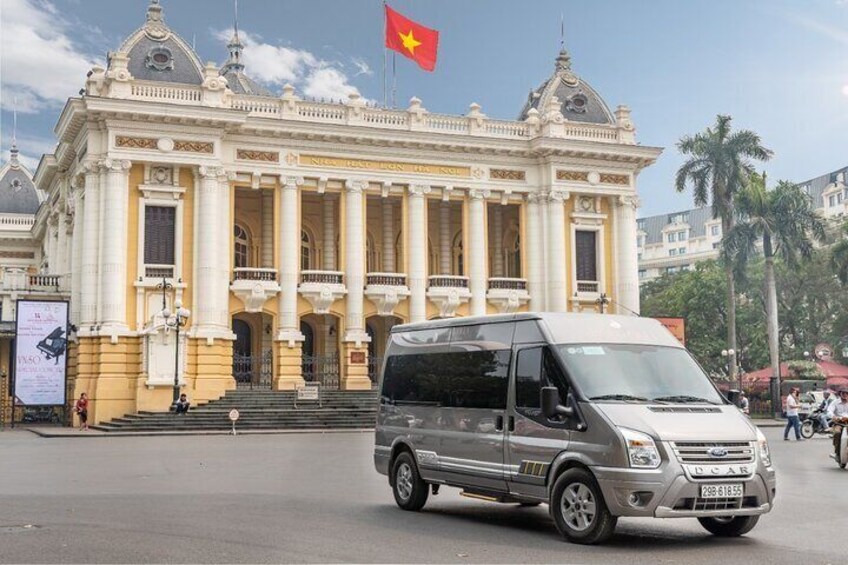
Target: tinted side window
{"x":536,"y":368}
{"x":413,"y":379}
{"x":528,"y":332}
{"x":478,"y":379}
{"x":483,"y":336}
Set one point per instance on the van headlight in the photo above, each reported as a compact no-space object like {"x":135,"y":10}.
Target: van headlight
{"x":641,"y":450}
{"x":763,"y":448}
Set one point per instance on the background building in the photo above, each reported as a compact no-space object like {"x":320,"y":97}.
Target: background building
{"x":670,"y":242}
{"x":298,"y":232}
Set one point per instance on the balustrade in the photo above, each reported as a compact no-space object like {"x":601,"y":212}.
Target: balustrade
{"x":588,"y":286}
{"x":159,"y":271}
{"x":385,"y":279}
{"x":254,"y":274}
{"x":448,"y":281}
{"x":503,"y":283}
{"x":322,"y":277}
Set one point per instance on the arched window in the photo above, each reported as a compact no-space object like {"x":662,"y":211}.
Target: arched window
{"x":242,"y":246}
{"x":512,"y":246}
{"x":458,"y":259}
{"x":305,"y":251}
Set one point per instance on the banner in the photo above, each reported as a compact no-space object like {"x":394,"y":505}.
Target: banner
{"x":41,"y":344}
{"x":677,"y":327}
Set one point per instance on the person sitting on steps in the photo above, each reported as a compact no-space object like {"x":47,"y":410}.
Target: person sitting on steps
{"x":181,"y":405}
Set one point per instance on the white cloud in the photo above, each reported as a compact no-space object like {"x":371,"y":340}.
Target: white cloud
{"x":41,"y":64}
{"x":845,"y":89}
{"x":276,"y":65}
{"x":362,"y":68}
{"x":830,"y":31}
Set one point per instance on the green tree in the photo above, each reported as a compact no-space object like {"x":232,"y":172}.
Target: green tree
{"x":839,"y":256}
{"x":784,"y":221}
{"x":718,"y":164}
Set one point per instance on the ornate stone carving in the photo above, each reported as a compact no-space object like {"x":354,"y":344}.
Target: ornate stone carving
{"x":165,"y":144}
{"x":215,"y":172}
{"x":556,"y":195}
{"x":478,"y":172}
{"x":578,"y":176}
{"x":508,"y":301}
{"x":161,"y":175}
{"x":506,"y":174}
{"x":631,"y":200}
{"x":190,"y":146}
{"x":610,"y":178}
{"x":419,"y":189}
{"x":253,"y":155}
{"x":479,"y":193}
{"x":135,"y":142}
{"x":292,"y":182}
{"x":291,"y":159}
{"x":386,"y":297}
{"x":254,"y":294}
{"x":356,"y":185}
{"x":114,"y":165}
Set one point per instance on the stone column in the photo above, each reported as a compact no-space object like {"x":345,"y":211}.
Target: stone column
{"x":328,"y":257}
{"x":627,"y":285}
{"x":61,"y":260}
{"x":356,"y":340}
{"x":476,"y":252}
{"x":533,"y":247}
{"x":113,"y":274}
{"x":289,"y":374}
{"x":267,"y":250}
{"x":557,"y":259}
{"x":497,"y":243}
{"x":416,"y":252}
{"x":445,"y":251}
{"x":90,"y":235}
{"x":209,"y":253}
{"x":76,"y":253}
{"x":388,"y":236}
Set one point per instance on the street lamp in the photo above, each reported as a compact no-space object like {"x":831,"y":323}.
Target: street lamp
{"x":602,"y":301}
{"x":176,"y":320}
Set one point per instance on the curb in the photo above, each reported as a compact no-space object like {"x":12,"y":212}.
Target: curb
{"x":74,"y":433}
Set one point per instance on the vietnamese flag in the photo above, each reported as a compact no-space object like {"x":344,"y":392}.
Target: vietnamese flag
{"x":411,"y":39}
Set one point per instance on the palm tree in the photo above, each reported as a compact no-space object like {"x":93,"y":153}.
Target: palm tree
{"x":839,"y":256}
{"x":785,"y":222}
{"x":719,"y":164}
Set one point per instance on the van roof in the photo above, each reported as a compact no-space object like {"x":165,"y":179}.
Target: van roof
{"x":571,"y":327}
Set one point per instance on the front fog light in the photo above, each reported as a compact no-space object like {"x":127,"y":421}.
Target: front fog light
{"x":641,"y":450}
{"x":763,"y":448}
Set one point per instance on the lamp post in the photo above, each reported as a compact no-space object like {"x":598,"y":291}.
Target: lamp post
{"x":178,"y":319}
{"x":730,"y":355}
{"x":602,"y":301}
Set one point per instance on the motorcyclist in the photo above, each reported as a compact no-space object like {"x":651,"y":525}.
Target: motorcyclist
{"x":839,"y":414}
{"x":824,"y":408}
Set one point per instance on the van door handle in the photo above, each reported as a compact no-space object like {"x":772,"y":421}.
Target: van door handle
{"x":499,"y":424}
{"x":510,"y":423}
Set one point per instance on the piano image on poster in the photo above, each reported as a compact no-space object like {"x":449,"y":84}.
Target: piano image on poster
{"x":54,"y":345}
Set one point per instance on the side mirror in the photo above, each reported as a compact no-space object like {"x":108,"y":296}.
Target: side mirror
{"x":551,"y":406}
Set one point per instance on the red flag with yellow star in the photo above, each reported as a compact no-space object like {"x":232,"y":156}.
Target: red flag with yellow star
{"x":411,"y":39}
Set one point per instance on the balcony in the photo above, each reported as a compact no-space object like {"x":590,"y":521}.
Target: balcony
{"x":448,"y":292}
{"x":586,"y":295}
{"x":15,"y":279}
{"x":254,"y":286}
{"x":158,"y":271}
{"x":507,"y":294}
{"x":386,"y":290}
{"x":322,"y":288}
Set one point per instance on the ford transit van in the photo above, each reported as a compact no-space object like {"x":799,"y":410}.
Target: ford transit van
{"x":598,"y":416}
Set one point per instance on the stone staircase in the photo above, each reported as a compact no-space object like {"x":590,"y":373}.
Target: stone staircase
{"x":259,"y":410}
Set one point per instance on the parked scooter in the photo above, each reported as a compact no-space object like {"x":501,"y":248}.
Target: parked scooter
{"x":841,"y":451}
{"x":812,"y":424}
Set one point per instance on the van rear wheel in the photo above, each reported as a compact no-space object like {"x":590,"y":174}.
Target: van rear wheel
{"x":730,"y":526}
{"x":578,"y":508}
{"x":409,"y":488}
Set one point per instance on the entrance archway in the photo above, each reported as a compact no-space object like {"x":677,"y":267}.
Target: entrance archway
{"x":253,"y":361}
{"x":320,"y":361}
{"x":378,"y":329}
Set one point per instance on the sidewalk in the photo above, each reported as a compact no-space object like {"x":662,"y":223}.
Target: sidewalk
{"x":768,"y":422}
{"x":55,"y":431}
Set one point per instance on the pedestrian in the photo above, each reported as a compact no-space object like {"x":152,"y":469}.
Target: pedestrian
{"x":744,"y":403}
{"x":793,"y":421}
{"x":81,"y":408}
{"x":181,"y":406}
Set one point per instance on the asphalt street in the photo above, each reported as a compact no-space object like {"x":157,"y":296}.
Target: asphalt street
{"x":316,"y":498}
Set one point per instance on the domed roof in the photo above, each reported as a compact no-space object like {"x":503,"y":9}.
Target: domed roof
{"x":157,"y":53}
{"x":233,"y":71}
{"x":18,"y":194}
{"x":579,"y":101}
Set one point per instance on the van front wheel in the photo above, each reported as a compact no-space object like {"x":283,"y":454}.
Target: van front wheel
{"x":578,"y":508}
{"x":409,"y":488}
{"x":730,"y":526}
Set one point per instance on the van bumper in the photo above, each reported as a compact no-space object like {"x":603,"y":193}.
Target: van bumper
{"x":668,"y":493}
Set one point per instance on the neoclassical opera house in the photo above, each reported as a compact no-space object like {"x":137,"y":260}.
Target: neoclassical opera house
{"x":298,"y":232}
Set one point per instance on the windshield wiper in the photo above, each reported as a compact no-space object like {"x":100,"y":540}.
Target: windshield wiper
{"x":683,"y":398}
{"x":620,"y":397}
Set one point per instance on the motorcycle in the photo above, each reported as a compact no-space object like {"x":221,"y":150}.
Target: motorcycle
{"x":841,"y":454}
{"x":811,"y":425}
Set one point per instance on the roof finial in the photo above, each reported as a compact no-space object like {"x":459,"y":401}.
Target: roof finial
{"x":154,"y":11}
{"x":235,"y":45}
{"x":235,"y":19}
{"x":561,"y":31}
{"x":563,"y":60}
{"x":13,"y":154}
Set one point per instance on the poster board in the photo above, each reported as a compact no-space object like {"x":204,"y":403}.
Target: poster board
{"x":41,"y":353}
{"x":677,"y":327}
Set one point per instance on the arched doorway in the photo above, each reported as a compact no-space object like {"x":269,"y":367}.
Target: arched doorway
{"x":378,"y":329}
{"x":320,"y":360}
{"x":253,"y":356}
{"x":242,"y":353}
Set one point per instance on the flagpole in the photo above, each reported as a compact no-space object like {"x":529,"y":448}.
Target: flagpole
{"x":385,"y":56}
{"x":394,"y":79}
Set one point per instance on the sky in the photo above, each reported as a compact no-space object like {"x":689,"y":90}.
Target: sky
{"x":779,"y":67}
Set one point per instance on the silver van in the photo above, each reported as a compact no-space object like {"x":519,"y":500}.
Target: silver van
{"x":599,"y":416}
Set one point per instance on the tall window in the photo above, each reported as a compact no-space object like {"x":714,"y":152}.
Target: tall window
{"x":305,"y":251}
{"x":159,"y":229}
{"x":242,"y":246}
{"x":458,"y":259}
{"x":587,"y":256}
{"x":513,"y":256}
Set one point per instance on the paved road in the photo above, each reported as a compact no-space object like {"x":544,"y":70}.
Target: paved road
{"x":316,"y":498}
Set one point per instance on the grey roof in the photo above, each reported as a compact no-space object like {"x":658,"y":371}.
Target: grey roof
{"x":240,"y":83}
{"x":18,"y":194}
{"x":578,"y":101}
{"x":816,"y":186}
{"x":697,"y":219}
{"x":180,"y":63}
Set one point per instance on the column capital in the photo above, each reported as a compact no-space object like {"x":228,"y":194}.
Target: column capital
{"x":90,"y":166}
{"x":631,"y":200}
{"x":535,"y":197}
{"x":558,"y":195}
{"x":419,"y":189}
{"x":356,"y":185}
{"x":212,"y":172}
{"x":291,"y":182}
{"x":479,"y":193}
{"x":114,"y":165}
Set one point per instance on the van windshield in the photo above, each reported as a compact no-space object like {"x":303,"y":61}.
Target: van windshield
{"x":637,"y":373}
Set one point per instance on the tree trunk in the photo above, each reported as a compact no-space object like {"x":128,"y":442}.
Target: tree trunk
{"x":772,"y":322}
{"x":727,"y":225}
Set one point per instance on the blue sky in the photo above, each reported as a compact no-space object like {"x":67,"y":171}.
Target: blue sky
{"x":778,"y":67}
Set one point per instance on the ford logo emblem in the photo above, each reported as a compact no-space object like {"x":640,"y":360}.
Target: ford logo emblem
{"x":717,"y":452}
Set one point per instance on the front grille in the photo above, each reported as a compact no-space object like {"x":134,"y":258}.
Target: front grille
{"x":701,"y":504}
{"x":698,"y":452}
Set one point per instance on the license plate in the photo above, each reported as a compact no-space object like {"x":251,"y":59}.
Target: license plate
{"x":721,"y":491}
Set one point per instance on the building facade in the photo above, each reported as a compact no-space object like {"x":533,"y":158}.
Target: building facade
{"x":298,"y":232}
{"x":671,"y":242}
